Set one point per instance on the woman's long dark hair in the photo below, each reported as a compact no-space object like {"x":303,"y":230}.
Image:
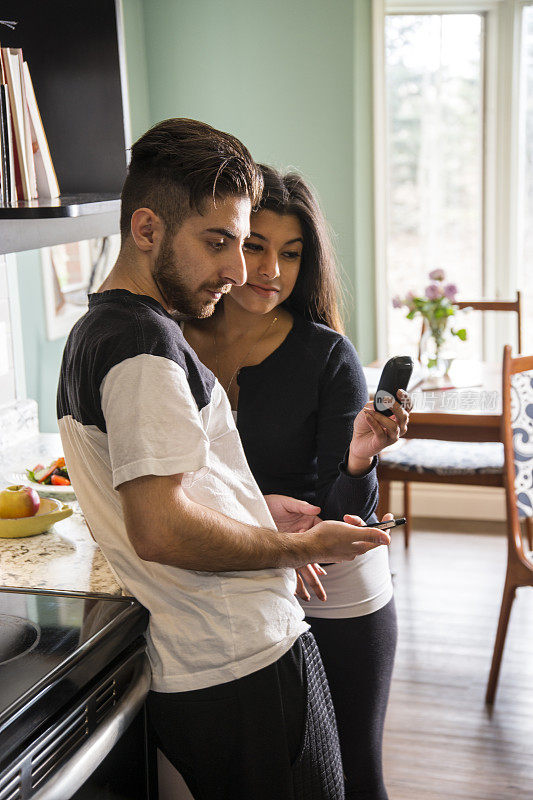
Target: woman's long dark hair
{"x":316,"y":293}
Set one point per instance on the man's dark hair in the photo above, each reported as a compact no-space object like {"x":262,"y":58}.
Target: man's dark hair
{"x":178,"y":164}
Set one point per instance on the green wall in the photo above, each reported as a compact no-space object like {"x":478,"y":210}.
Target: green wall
{"x":293,"y":81}
{"x":42,"y":358}
{"x":136,"y":68}
{"x":284,"y":77}
{"x":362,"y":317}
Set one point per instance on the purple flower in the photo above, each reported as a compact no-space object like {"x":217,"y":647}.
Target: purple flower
{"x":397,"y":302}
{"x":433,"y":291}
{"x":436,"y":275}
{"x":450,"y":291}
{"x":410,"y":296}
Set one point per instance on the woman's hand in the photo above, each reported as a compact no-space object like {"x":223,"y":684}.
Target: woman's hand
{"x":292,"y":515}
{"x":352,"y":519}
{"x":297,"y":516}
{"x":310,"y":575}
{"x":372,"y":432}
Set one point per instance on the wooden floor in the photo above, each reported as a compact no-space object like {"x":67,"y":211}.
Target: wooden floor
{"x":441,"y":742}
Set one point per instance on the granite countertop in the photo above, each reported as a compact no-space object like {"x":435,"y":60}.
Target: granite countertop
{"x":66,"y":557}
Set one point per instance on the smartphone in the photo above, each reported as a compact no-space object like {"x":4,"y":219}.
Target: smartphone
{"x":396,"y":375}
{"x":391,"y":523}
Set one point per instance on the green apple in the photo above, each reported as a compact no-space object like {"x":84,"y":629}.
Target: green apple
{"x":19,"y":501}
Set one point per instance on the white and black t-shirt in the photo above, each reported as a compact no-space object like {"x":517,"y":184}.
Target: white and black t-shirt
{"x":134,"y":400}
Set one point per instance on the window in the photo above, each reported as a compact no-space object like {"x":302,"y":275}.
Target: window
{"x":454,"y":162}
{"x":434,"y":81}
{"x":525,"y":172}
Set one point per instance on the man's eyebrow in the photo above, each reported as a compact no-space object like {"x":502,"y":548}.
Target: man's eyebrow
{"x":264,"y":238}
{"x":223,"y":232}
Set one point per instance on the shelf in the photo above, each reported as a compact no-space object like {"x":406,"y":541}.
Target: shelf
{"x":75,"y":205}
{"x":70,"y":218}
{"x":73,"y":52}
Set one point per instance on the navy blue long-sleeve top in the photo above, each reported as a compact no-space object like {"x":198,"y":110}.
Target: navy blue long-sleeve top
{"x":295,"y":417}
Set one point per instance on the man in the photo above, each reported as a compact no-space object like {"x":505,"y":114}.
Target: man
{"x":238,"y":701}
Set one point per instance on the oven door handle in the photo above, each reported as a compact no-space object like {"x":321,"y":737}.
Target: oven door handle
{"x":73,"y":774}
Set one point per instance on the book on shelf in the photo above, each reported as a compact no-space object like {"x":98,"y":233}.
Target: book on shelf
{"x":27,"y":126}
{"x":4,"y":163}
{"x":26,"y":167}
{"x":16,"y":101}
{"x":47,"y":185}
{"x":6,"y":141}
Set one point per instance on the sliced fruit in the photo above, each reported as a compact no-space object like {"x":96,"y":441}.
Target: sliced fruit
{"x":58,"y":480}
{"x":42,"y":474}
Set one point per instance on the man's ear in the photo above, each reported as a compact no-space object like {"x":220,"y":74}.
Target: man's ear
{"x":146,"y":229}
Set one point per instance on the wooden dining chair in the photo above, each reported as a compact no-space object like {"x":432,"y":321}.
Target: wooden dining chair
{"x":488,"y":305}
{"x":517,"y":434}
{"x":433,"y":461}
{"x":498,"y":305}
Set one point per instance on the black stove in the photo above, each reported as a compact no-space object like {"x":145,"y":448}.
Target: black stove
{"x":66,"y":662}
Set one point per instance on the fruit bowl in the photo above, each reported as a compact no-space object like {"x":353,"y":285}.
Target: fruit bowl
{"x":50,"y":511}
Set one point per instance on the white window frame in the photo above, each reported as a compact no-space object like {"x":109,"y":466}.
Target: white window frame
{"x":16,"y":326}
{"x":500,"y":169}
{"x":520,"y":167}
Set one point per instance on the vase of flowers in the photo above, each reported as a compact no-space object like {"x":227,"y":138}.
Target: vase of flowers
{"x":436,"y":307}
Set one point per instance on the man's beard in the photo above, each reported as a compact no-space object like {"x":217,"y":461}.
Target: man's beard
{"x":178,"y":297}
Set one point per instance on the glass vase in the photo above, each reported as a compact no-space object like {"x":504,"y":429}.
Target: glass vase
{"x":436,"y":355}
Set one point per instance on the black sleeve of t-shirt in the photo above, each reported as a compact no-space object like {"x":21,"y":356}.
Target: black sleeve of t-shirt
{"x":343,"y":393}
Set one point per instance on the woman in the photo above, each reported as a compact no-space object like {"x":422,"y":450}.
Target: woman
{"x":299,"y":394}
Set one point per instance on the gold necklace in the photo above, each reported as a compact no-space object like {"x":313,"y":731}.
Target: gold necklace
{"x":241,"y":362}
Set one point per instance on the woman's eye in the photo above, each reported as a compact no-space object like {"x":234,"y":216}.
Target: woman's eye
{"x":251,"y":247}
{"x":292,"y":255}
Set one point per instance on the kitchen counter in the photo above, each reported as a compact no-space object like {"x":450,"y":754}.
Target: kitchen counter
{"x":64,"y":558}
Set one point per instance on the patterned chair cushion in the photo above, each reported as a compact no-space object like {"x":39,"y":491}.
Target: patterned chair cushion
{"x":446,"y":458}
{"x":522,"y":425}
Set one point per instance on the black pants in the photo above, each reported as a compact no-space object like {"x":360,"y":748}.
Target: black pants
{"x":358,"y":655}
{"x":268,"y":736}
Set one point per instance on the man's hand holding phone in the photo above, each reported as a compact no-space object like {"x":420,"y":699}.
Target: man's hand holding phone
{"x":341,"y":548}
